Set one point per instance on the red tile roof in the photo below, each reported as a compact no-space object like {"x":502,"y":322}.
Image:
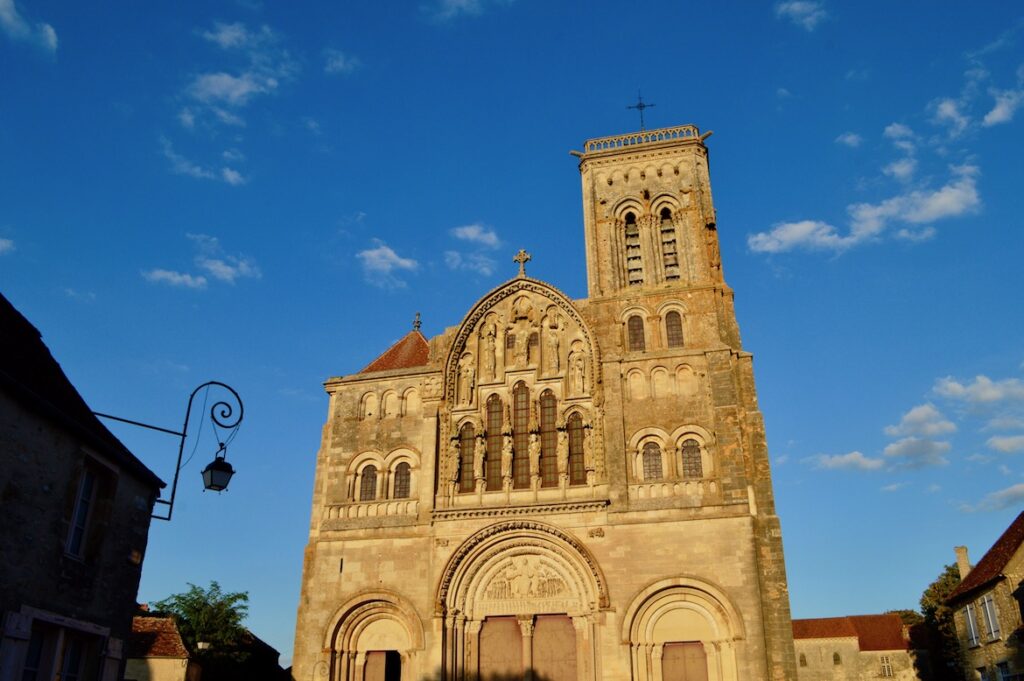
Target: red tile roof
{"x":991,"y":565}
{"x":155,"y":636}
{"x":873,"y":632}
{"x":411,"y":351}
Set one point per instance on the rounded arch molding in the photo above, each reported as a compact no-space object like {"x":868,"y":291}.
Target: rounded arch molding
{"x":474,"y":561}
{"x":365,"y":607}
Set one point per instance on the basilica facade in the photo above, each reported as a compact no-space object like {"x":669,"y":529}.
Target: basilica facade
{"x":560,"y":489}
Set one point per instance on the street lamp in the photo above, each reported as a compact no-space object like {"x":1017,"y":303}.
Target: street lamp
{"x":218,"y":472}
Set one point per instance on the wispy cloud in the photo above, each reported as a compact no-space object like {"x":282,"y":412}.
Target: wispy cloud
{"x":337,"y":62}
{"x":917,"y":452}
{"x":949,"y":112}
{"x":806,"y":14}
{"x":982,"y":390}
{"x":211,"y":259}
{"x":1007,"y":444}
{"x":895,"y":487}
{"x":477,"y":233}
{"x":181,"y":165}
{"x":475,"y":262}
{"x":1010,"y":497}
{"x":381,"y":265}
{"x":850,"y":139}
{"x":81,"y":296}
{"x":18,"y":28}
{"x":923,"y":420}
{"x":172,"y":278}
{"x":447,"y":10}
{"x":901,"y":169}
{"x":852,"y":460}
{"x":6,"y":246}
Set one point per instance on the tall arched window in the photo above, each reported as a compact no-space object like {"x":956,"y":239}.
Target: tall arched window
{"x":635,"y":332}
{"x":692,"y":467}
{"x":577,"y":472}
{"x":634,"y":261}
{"x":467,"y":437}
{"x":403,"y":479}
{"x":652,"y":462}
{"x":492,"y":464}
{"x":548,"y":441}
{"x":669,"y":256}
{"x":674,"y":329}
{"x":368,"y":483}
{"x":520,"y":436}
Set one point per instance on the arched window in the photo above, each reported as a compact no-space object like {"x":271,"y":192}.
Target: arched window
{"x":635,"y":333}
{"x":669,"y":257}
{"x":634,"y":262}
{"x":520,"y":436}
{"x":467,"y":436}
{"x":836,"y":659}
{"x":533,"y":349}
{"x":548,"y":441}
{"x":692,"y":467}
{"x":577,"y":472}
{"x":674,"y":329}
{"x":403,"y":478}
{"x":368,"y":484}
{"x":492,"y":464}
{"x":803,"y":660}
{"x":652,"y":462}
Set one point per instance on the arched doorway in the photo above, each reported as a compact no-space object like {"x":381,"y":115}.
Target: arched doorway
{"x":375,"y":636}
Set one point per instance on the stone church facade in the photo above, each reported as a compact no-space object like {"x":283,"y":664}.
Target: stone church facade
{"x":560,"y":489}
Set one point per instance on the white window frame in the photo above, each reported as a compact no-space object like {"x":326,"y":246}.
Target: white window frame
{"x":991,"y":617}
{"x":886,"y":666}
{"x":972,"y":625}
{"x":81,"y":517}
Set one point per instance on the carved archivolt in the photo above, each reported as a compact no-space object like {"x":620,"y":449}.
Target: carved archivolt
{"x":518,"y":566}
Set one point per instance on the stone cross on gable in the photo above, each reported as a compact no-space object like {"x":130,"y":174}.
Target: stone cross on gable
{"x":522,"y":257}
{"x":416,"y":323}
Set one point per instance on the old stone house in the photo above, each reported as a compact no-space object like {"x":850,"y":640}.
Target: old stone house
{"x":155,"y":651}
{"x":573,"y":489}
{"x":75,"y":509}
{"x":854,"y":648}
{"x":988,"y":604}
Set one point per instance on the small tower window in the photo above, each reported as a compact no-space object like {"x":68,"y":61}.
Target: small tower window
{"x":674,"y":329}
{"x":635,"y":331}
{"x":577,"y":472}
{"x":634,"y":261}
{"x":521,"y":436}
{"x":368,"y":484}
{"x":836,"y":659}
{"x":652,"y":462}
{"x":669,"y":256}
{"x":466,"y":440}
{"x":548,"y":441}
{"x":403,"y":478}
{"x":692,"y":467}
{"x":492,"y":464}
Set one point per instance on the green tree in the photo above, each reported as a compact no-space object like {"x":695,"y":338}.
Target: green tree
{"x":947,"y":657}
{"x":210,"y":615}
{"x":909,"y":617}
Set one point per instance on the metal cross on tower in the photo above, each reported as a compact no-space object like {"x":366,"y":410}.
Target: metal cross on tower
{"x":522,"y":257}
{"x":640,"y":106}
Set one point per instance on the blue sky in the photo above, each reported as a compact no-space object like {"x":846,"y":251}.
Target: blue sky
{"x":264,"y":194}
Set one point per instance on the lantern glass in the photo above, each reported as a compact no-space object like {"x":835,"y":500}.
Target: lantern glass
{"x":217,"y":475}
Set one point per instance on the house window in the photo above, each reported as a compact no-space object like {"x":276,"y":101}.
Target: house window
{"x":85,"y":502}
{"x":466,"y":441}
{"x":635,"y":332}
{"x":548,"y":441}
{"x":886,"y":666}
{"x":521,"y":436}
{"x":634,"y":261}
{"x":668,"y":246}
{"x":403,"y":478}
{"x":33,"y":656}
{"x":803,"y":660}
{"x":652,"y":461}
{"x":982,"y":674}
{"x":674,"y":329}
{"x":577,"y":471}
{"x":1004,"y":671}
{"x":368,"y":484}
{"x":972,"y":625}
{"x":836,"y":659}
{"x":989,"y":615}
{"x":692,"y":467}
{"x":492,"y":464}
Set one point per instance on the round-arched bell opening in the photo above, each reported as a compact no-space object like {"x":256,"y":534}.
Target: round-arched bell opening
{"x":217,"y":473}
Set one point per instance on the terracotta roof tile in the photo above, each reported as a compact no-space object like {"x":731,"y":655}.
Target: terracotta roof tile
{"x":411,"y":351}
{"x":995,"y":559}
{"x":155,"y":636}
{"x":873,"y":632}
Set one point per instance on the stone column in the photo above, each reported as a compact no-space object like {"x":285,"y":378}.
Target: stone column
{"x":649,"y":659}
{"x":583,"y":661}
{"x":713,"y":651}
{"x":526,"y":627}
{"x":360,"y":663}
{"x":656,"y":654}
{"x":473,"y":647}
{"x":459,"y":654}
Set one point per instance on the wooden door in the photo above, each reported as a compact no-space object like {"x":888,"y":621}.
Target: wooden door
{"x":684,"y":662}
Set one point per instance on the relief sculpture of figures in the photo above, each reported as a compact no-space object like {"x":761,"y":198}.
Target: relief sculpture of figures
{"x":578,"y":374}
{"x":478,"y":460}
{"x":506,"y":458}
{"x":522,"y":346}
{"x":488,"y":352}
{"x":551,"y":350}
{"x":535,"y":456}
{"x":467,"y":379}
{"x":562,"y":452}
{"x":453,"y":464}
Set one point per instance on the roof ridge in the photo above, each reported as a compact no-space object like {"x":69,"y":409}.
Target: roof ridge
{"x":991,"y":565}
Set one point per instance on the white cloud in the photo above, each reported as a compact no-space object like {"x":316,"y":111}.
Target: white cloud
{"x":476,"y":262}
{"x":1006,"y":105}
{"x":233,"y":155}
{"x":1007,"y":444}
{"x":16,"y":27}
{"x":902,"y":169}
{"x":806,"y":234}
{"x":312,"y":125}
{"x":1005,"y":422}
{"x":219,"y":265}
{"x":187,"y":118}
{"x":1011,"y":497}
{"x":477,"y":233}
{"x":917,"y":452}
{"x":233,"y":90}
{"x":381,"y":263}
{"x":181,"y":165}
{"x":450,"y":9}
{"x":336,"y":61}
{"x":850,"y":139}
{"x":173,"y":278}
{"x":230,"y":36}
{"x":806,"y":14}
{"x":84,"y":296}
{"x":948,"y":112}
{"x":895,"y":131}
{"x":895,"y":487}
{"x":982,"y":390}
{"x":783,"y":93}
{"x":232,"y":176}
{"x":6,"y":246}
{"x":854,"y":460}
{"x":923,"y":420}
{"x":226,"y":117}
{"x":916,"y":234}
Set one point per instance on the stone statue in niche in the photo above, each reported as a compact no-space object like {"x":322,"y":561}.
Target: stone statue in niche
{"x":534,"y":457}
{"x":454,"y":464}
{"x":467,"y":379}
{"x":578,"y":374}
{"x":551,"y":343}
{"x":479,"y":453}
{"x":488,"y":339}
{"x":562,"y":453}
{"x":506,"y":459}
{"x":522,"y":348}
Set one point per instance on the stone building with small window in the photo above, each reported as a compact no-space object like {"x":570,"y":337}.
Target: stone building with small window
{"x":577,"y":489}
{"x":855,"y":648}
{"x":75,"y":509}
{"x":988,"y":605}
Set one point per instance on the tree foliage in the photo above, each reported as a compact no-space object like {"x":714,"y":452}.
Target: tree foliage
{"x":211,"y":615}
{"x":947,"y":657}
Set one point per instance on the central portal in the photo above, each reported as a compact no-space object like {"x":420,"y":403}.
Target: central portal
{"x":512,"y":646}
